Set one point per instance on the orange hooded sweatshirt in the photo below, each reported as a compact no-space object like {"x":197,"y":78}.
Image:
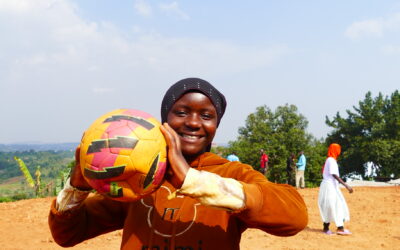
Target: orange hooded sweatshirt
{"x":155,"y":222}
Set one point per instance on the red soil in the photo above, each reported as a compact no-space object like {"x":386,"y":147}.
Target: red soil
{"x":374,"y":212}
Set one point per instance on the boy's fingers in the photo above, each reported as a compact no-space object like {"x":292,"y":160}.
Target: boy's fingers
{"x":167,"y":134}
{"x":173,"y":136}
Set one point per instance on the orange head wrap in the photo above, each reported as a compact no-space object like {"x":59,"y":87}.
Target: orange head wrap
{"x":334,"y":150}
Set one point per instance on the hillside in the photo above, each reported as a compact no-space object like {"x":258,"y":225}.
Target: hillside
{"x":52,"y":164}
{"x":68,"y":146}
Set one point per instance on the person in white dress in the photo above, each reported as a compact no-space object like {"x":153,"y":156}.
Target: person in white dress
{"x":331,"y":203}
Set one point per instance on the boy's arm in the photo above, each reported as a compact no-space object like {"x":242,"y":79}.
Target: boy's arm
{"x":275,"y":208}
{"x":75,"y":217}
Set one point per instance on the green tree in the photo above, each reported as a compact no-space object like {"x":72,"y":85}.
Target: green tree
{"x":280,"y":133}
{"x":370,"y":133}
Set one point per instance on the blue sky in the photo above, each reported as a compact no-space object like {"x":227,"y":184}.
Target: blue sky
{"x":63,"y":63}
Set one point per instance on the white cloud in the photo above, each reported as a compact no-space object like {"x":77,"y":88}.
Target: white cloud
{"x":22,"y":6}
{"x":143,"y":8}
{"x":59,"y":38}
{"x":65,"y":65}
{"x":202,"y":55}
{"x":365,"y":28}
{"x":374,"y":27}
{"x":174,"y":9}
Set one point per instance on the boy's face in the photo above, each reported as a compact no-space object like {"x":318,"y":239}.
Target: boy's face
{"x":194,"y":119}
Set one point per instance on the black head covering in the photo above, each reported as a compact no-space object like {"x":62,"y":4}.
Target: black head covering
{"x":180,"y":88}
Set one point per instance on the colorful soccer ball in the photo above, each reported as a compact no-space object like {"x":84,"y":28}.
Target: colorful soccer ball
{"x":123,"y":154}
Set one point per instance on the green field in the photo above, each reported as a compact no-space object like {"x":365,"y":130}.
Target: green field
{"x":53,"y":165}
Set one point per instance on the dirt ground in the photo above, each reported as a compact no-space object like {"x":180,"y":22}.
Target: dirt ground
{"x":374,"y":211}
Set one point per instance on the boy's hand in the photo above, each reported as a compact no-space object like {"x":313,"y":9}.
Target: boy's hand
{"x":76,"y":179}
{"x":178,"y":167}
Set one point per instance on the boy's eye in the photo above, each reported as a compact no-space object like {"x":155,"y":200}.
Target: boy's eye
{"x":180,"y":113}
{"x":207,"y":116}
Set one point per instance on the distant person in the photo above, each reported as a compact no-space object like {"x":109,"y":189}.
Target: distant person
{"x":233,"y":157}
{"x":291,"y":170}
{"x":301,"y":167}
{"x":263,"y":162}
{"x":331,"y":203}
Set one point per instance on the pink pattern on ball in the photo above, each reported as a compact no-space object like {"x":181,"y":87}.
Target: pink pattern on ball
{"x":159,"y":175}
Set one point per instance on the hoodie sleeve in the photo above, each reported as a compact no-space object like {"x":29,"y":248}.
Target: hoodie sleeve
{"x":277,"y":209}
{"x":213,"y":190}
{"x":94,"y":216}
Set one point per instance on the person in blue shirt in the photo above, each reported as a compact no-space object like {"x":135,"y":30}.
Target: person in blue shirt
{"x":301,"y":167}
{"x":232,"y":157}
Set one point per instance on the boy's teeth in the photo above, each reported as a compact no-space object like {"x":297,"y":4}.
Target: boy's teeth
{"x":190,"y":136}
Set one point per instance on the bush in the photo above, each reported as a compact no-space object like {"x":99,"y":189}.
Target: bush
{"x":5,"y":199}
{"x":20,"y":196}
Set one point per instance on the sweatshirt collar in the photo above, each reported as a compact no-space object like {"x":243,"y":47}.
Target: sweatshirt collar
{"x":207,"y":159}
